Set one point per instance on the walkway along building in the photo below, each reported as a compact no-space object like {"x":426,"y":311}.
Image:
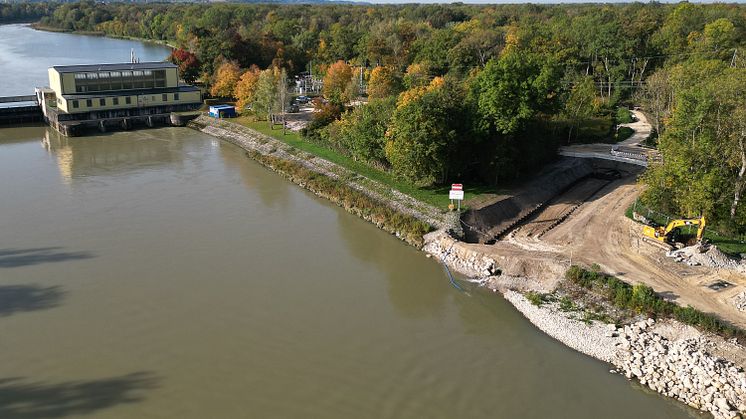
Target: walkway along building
{"x":106,"y":96}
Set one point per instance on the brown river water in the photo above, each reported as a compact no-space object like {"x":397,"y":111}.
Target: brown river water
{"x":162,"y":274}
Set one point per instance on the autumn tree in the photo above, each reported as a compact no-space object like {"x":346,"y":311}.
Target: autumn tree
{"x":226,"y":78}
{"x":246,"y":87}
{"x":338,"y":83}
{"x":424,"y":132}
{"x":384,"y":81}
{"x":188,"y":64}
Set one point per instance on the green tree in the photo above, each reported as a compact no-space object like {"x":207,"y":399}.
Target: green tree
{"x":361,"y":132}
{"x":266,"y":93}
{"x":515,"y":88}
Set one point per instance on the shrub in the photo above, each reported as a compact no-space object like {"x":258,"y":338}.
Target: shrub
{"x":624,"y":116}
{"x":643,"y":299}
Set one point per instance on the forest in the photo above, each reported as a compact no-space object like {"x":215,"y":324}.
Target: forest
{"x":478,"y":93}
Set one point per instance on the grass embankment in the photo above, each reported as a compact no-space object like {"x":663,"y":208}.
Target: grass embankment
{"x":641,"y":299}
{"x":404,"y":226}
{"x":435,"y":196}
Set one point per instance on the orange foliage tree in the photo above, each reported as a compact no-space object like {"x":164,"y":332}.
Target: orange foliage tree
{"x":226,"y":78}
{"x":384,"y":82}
{"x":245,"y":89}
{"x":338,"y":83}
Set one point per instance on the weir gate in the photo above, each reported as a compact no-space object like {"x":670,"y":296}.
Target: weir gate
{"x":20,"y":110}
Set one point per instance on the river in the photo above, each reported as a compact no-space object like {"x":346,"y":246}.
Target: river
{"x":162,"y":274}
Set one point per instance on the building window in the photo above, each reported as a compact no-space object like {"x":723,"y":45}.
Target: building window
{"x":89,"y":103}
{"x":176,"y":96}
{"x":164,"y":97}
{"x":102,"y":102}
{"x":115,"y":101}
{"x":128,"y":100}
{"x":75,"y":104}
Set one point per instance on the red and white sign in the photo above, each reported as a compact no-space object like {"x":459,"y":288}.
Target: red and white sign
{"x":456,"y":192}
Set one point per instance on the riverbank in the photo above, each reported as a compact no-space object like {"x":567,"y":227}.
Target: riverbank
{"x":675,"y":360}
{"x":39,"y":27}
{"x":699,"y":369}
{"x":390,"y":210}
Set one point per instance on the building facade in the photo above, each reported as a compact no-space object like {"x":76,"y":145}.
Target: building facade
{"x":109,"y":95}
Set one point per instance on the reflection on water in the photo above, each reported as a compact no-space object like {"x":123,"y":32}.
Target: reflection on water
{"x":27,"y":399}
{"x":111,"y":154}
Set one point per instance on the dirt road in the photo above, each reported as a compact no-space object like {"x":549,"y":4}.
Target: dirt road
{"x":641,"y":127}
{"x":598,"y":232}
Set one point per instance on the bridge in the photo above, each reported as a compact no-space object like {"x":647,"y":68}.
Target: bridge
{"x":637,"y":155}
{"x":19,"y":110}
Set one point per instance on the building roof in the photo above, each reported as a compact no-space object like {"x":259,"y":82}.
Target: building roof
{"x":131,"y":92}
{"x":222,"y":107}
{"x":112,"y":67}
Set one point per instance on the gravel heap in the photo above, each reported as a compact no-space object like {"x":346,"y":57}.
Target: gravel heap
{"x":706,"y":255}
{"x":682,"y":370}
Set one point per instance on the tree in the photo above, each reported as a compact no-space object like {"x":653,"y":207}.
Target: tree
{"x":246,"y":87}
{"x":418,"y":74}
{"x":581,"y":103}
{"x":361,"y":132}
{"x":226,"y":78}
{"x":384,"y":82}
{"x":266,"y":93}
{"x":656,"y":98}
{"x":423,"y":133}
{"x":337,"y":83}
{"x":515,"y":88}
{"x":188,"y":64}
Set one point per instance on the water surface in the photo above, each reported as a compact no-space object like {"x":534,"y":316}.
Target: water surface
{"x":161,"y":274}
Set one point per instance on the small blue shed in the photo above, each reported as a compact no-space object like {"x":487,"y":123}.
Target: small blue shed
{"x":222,"y":111}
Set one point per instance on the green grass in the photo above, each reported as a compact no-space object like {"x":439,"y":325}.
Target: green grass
{"x":436,"y":196}
{"x":730,"y":245}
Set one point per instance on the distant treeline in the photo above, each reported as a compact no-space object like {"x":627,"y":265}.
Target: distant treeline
{"x":25,"y":12}
{"x":481,"y":92}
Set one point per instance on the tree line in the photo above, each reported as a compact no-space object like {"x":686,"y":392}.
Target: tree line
{"x":480,"y":93}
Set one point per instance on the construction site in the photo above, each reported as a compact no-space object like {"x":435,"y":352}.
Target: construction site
{"x":573,"y":212}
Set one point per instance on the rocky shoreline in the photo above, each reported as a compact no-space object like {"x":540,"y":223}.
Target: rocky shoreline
{"x":668,"y":357}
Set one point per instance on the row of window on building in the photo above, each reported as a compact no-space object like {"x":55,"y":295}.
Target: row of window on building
{"x":119,"y":80}
{"x":115,"y":101}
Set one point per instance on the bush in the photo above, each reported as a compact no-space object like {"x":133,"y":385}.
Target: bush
{"x":624,"y":116}
{"x":623,"y":133}
{"x":643,"y":299}
{"x":535,"y":298}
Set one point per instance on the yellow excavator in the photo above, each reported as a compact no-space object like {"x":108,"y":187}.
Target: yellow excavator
{"x":670,"y":236}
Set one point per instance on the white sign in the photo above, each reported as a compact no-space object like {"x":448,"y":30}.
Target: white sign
{"x":456,"y":195}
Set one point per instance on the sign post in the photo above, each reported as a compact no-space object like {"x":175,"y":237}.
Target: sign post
{"x":456,"y":193}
